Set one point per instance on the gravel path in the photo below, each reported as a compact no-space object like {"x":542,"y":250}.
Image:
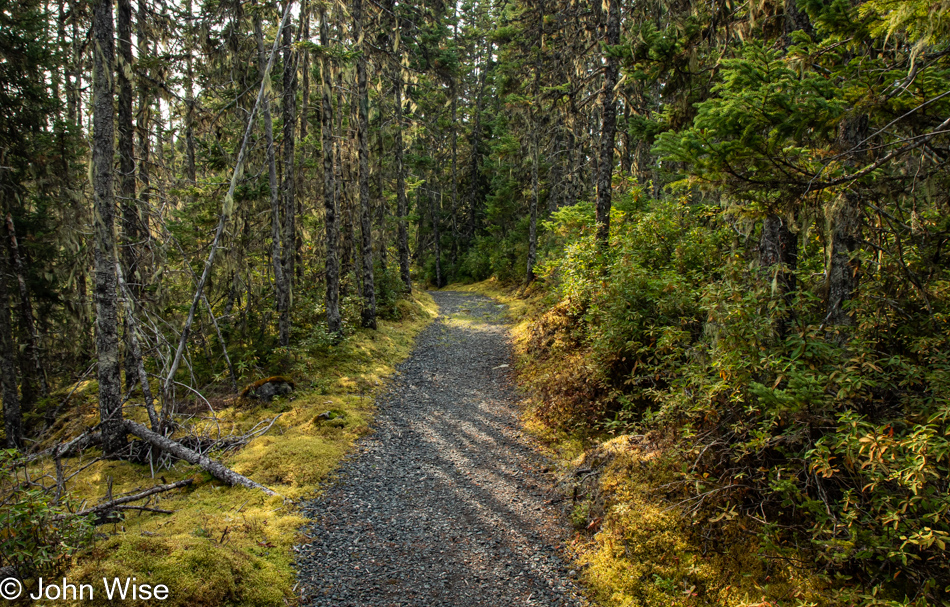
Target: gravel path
{"x":445,"y":503}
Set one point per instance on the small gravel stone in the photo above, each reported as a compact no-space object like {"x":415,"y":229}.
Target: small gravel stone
{"x":445,"y":503}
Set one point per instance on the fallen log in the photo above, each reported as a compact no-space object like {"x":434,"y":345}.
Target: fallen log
{"x":116,"y":504}
{"x":217,"y":469}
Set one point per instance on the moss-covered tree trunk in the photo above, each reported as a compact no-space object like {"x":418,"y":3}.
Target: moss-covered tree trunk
{"x":289,"y":227}
{"x":334,"y":323}
{"x":103,"y":147}
{"x":368,"y":315}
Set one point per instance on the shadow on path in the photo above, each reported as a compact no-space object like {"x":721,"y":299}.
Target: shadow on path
{"x":444,"y":504}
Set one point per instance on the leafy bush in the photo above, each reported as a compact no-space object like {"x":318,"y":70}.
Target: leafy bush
{"x":33,"y":539}
{"x":833,"y":443}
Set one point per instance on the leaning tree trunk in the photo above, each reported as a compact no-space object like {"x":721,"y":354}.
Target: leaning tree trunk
{"x":227,"y":209}
{"x":368,"y":315}
{"x":103,"y":147}
{"x":217,"y":469}
{"x":608,"y":128}
{"x":289,"y":110}
{"x":334,"y":323}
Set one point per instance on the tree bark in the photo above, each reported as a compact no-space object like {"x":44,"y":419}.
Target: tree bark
{"x":608,"y":127}
{"x":437,"y":237}
{"x":126,"y":144}
{"x":402,"y":205}
{"x":103,"y":147}
{"x":535,"y":195}
{"x":845,"y":217}
{"x":142,"y":124}
{"x":368,"y":314}
{"x":334,"y":323}
{"x":778,"y":256}
{"x":189,"y":102}
{"x":289,"y":109}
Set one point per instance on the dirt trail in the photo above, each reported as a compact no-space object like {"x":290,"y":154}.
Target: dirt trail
{"x":444,"y":504}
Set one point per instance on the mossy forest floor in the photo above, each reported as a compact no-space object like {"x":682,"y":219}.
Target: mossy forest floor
{"x":230,"y":545}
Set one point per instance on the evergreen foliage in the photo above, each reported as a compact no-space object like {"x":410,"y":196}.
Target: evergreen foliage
{"x":769,"y":304}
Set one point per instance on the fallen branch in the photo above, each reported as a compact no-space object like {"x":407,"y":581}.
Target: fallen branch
{"x":217,"y":469}
{"x":203,"y":444}
{"x":117,"y":504}
{"x":84,"y":440}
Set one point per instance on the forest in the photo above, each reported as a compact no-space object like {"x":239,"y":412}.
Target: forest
{"x":731,"y":221}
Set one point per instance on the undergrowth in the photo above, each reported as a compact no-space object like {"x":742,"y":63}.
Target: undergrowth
{"x":777,"y":461}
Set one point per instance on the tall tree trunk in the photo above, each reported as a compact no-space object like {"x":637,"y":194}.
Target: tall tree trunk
{"x":402,"y":205}
{"x":778,"y":256}
{"x":476,"y":146}
{"x":33,"y":372}
{"x":382,"y":209}
{"x":608,"y":127}
{"x":455,"y":179}
{"x":368,"y":315}
{"x":127,"y":202}
{"x":73,"y":67}
{"x":189,"y":101}
{"x":334,"y":323}
{"x":845,"y":217}
{"x":434,"y":214}
{"x":344,"y":202}
{"x":289,"y":107}
{"x":142,"y":122}
{"x":304,"y":55}
{"x":12,"y":415}
{"x":103,"y":147}
{"x":625,"y":158}
{"x":277,"y":254}
{"x":535,"y":195}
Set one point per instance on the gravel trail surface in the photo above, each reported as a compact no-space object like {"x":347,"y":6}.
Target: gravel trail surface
{"x":445,"y":503}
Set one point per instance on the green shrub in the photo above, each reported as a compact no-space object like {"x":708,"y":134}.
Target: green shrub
{"x":33,"y":539}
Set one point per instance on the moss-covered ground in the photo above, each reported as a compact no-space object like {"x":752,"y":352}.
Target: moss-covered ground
{"x":229,"y":545}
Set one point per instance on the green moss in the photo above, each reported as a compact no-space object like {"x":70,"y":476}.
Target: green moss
{"x":230,"y":545}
